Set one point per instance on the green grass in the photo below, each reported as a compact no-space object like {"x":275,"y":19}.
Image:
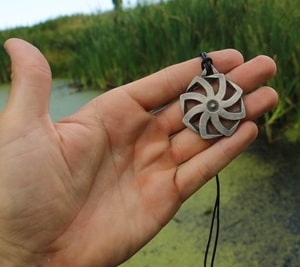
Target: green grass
{"x":106,"y":50}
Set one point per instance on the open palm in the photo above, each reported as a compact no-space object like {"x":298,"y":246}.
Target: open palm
{"x":92,"y":189}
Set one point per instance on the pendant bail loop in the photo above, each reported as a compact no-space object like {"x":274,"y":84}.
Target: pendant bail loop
{"x":206,"y":63}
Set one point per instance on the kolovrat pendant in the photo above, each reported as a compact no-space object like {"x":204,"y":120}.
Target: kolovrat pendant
{"x":212,"y":105}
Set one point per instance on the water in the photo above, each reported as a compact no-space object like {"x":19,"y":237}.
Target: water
{"x":64,"y":100}
{"x":259,"y":216}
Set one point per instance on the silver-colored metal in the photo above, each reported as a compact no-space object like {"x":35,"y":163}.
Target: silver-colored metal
{"x":212,"y":106}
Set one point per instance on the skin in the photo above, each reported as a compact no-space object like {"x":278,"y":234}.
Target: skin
{"x":93,"y":188}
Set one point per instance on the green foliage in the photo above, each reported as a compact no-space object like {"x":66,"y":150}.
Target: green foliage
{"x":107,"y":50}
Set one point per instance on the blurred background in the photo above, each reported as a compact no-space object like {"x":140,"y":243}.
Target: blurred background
{"x":94,"y":46}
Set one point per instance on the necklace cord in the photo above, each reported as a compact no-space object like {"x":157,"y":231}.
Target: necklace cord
{"x":206,"y":64}
{"x":215,"y":216}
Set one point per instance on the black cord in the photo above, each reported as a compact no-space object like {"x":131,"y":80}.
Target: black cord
{"x":216,"y":215}
{"x":206,"y":63}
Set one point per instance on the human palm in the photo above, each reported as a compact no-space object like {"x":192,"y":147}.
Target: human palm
{"x":92,"y":189}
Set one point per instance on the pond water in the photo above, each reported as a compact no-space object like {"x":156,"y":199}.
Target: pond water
{"x":64,"y":100}
{"x":260,"y":206}
{"x":259,"y":216}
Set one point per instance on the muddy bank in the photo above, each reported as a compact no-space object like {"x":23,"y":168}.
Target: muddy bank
{"x":260,"y":216}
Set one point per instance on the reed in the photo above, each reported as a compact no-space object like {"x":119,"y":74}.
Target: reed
{"x":106,"y":50}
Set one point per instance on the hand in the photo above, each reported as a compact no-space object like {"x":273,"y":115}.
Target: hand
{"x":92,"y":189}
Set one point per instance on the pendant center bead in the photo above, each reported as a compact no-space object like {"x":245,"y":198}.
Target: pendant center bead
{"x":212,"y":105}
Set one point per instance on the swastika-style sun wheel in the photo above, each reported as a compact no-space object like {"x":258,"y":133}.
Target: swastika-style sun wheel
{"x":212,"y":106}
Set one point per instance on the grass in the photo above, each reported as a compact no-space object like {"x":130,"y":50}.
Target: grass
{"x":106,"y":50}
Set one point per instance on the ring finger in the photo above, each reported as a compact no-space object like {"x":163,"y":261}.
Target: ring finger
{"x":187,"y":143}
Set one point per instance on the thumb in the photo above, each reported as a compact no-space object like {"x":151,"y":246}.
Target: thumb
{"x":31,"y":80}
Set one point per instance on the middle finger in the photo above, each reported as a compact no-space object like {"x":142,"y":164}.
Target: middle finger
{"x":248,"y":76}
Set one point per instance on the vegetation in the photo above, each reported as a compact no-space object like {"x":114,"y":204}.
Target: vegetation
{"x":109,"y":49}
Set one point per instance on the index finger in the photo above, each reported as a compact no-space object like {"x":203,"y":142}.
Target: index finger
{"x":163,"y":86}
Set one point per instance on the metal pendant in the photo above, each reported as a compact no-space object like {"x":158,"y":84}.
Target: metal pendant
{"x":212,"y":105}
